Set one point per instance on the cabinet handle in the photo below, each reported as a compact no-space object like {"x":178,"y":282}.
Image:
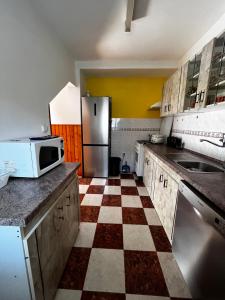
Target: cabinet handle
{"x":68,"y":197}
{"x":161,"y":178}
{"x":197,"y":97}
{"x":61,"y":218}
{"x":165,"y":108}
{"x":169,"y":107}
{"x":60,"y":208}
{"x":165,"y":184}
{"x":147,"y":161}
{"x":202,"y":96}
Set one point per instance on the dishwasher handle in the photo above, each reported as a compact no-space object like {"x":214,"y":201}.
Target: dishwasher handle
{"x":202,"y":208}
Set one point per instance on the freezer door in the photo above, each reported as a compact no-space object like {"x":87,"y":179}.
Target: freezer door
{"x":95,"y":161}
{"x":95,"y":120}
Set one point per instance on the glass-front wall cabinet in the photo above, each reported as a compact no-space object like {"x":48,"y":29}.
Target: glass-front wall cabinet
{"x":191,"y":96}
{"x":216,"y":87}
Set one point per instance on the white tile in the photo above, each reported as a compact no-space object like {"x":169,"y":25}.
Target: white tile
{"x":92,"y":199}
{"x":143,"y":297}
{"x":110,"y":214}
{"x":131,"y":201}
{"x":112,"y":190}
{"x":137,"y":237}
{"x":63,"y":294}
{"x":128,"y":182}
{"x":98,"y":181}
{"x":105,"y":271}
{"x":142,"y":191}
{"x":173,"y":277}
{"x":152,"y":217}
{"x":83,"y":188}
{"x":86,"y":235}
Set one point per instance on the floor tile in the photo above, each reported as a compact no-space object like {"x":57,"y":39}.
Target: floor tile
{"x":128,"y":182}
{"x":89,"y":213}
{"x":75,"y":270}
{"x":105,"y":271}
{"x":115,"y":182}
{"x":112,"y":190}
{"x":142,"y":191}
{"x":143,"y":274}
{"x":174,"y":279}
{"x":110,"y":215}
{"x":86,"y":235}
{"x":152,"y":217}
{"x":126,"y":176}
{"x":92,"y":199}
{"x":98,"y":181}
{"x":144,"y":297}
{"x":111,"y":200}
{"x":160,"y":239}
{"x":146,"y":202}
{"x":85,"y":180}
{"x":129,"y":190}
{"x":134,"y":216}
{"x":83,"y":188}
{"x":109,"y":236}
{"x":139,"y":182}
{"x":63,"y":294}
{"x":102,"y":296}
{"x":81,"y":197}
{"x":131,"y":201}
{"x":137,"y":237}
{"x":95,"y":189}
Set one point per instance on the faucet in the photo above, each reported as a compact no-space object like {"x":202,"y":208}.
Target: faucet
{"x":221,"y":140}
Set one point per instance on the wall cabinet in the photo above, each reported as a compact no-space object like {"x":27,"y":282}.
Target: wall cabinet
{"x":162,"y":185}
{"x":171,"y":95}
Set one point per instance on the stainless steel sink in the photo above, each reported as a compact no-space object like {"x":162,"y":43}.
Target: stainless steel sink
{"x":198,"y":166}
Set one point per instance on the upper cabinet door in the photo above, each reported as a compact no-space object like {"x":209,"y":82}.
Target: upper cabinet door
{"x":183,"y":82}
{"x":204,"y":74}
{"x":173,"y":106}
{"x":216,"y":86}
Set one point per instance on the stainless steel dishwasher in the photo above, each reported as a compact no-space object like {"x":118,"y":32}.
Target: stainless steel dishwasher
{"x":199,"y":244}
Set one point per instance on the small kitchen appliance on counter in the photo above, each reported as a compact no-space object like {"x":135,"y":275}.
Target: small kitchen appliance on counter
{"x":32,"y":158}
{"x":158,"y":139}
{"x":175,"y":142}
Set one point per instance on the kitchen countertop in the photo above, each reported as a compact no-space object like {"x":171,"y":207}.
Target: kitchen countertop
{"x":23,"y":198}
{"x":211,"y":185}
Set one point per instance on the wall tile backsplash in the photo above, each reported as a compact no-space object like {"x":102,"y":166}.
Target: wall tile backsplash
{"x":207,"y":125}
{"x":125,"y":132}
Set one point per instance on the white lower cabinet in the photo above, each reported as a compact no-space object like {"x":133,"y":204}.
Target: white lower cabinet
{"x":162,"y":188}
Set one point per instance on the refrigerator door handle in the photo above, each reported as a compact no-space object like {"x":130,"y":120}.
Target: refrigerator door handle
{"x":95,"y":109}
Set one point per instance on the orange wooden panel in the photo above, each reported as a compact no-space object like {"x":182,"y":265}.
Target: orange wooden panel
{"x":72,"y":142}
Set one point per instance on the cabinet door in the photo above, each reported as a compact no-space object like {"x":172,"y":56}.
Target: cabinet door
{"x":183,"y":81}
{"x":204,"y":73}
{"x":173,"y":106}
{"x":168,"y":204}
{"x":72,"y":217}
{"x":33,"y":267}
{"x":166,"y":98}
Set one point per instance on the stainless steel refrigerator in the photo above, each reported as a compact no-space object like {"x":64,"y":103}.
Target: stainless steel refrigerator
{"x":96,"y":135}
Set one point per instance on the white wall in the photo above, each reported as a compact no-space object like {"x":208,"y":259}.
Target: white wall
{"x":193,"y":127}
{"x":65,"y":107}
{"x":125,"y":133}
{"x":34,"y":67}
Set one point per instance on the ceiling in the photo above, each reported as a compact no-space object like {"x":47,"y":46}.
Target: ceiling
{"x":94,"y":29}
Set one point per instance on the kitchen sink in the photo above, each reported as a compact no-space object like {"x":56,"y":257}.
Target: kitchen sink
{"x":197,"y":166}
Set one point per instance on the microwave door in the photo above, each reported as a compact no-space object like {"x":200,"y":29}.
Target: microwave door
{"x":95,"y":120}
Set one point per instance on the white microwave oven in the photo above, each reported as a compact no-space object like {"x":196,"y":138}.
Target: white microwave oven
{"x":32,"y":158}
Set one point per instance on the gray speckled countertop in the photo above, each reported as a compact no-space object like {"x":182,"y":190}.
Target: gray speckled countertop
{"x":211,"y":185}
{"x":22,"y":198}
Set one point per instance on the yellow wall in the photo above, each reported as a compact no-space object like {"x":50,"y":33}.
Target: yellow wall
{"x":131,"y":96}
